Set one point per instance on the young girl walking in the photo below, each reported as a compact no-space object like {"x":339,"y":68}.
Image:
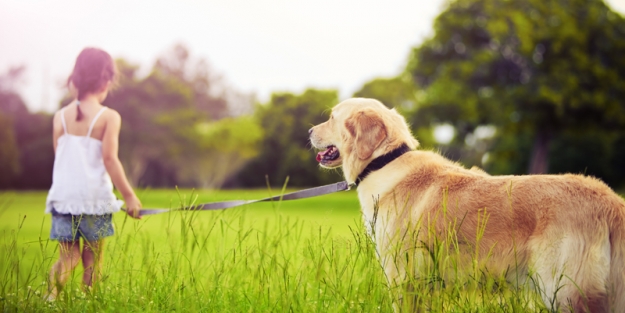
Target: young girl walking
{"x":86,"y":165}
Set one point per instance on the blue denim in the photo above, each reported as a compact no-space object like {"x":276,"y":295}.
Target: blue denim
{"x":67,"y":227}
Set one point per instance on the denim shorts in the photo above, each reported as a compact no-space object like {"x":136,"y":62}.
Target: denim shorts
{"x":67,"y":227}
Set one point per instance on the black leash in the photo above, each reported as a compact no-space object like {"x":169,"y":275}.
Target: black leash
{"x":306,"y":193}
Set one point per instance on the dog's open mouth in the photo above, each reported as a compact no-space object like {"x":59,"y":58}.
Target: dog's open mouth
{"x":331,"y":153}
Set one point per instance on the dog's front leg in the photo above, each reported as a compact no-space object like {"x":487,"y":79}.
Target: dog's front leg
{"x":402,"y":262}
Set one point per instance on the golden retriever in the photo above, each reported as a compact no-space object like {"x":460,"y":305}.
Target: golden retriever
{"x":565,"y":232}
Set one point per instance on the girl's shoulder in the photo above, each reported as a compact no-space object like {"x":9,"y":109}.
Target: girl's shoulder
{"x":58,"y":112}
{"x":57,"y":118}
{"x":111,"y":113}
{"x":111,"y":117}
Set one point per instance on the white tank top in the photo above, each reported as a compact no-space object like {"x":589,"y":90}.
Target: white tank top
{"x":80,"y":183}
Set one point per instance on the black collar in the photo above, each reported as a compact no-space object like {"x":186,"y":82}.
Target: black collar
{"x":381,"y":161}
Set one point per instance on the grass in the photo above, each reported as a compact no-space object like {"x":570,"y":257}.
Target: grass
{"x":307,"y":255}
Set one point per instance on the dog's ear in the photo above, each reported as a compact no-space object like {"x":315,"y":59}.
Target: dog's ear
{"x":369,"y":131}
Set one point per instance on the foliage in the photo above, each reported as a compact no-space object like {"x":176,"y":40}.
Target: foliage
{"x":198,"y":76}
{"x":167,"y":132}
{"x":157,"y":112}
{"x":395,"y":92}
{"x":223,"y":148}
{"x":571,"y":151}
{"x":27,"y":154}
{"x":11,"y":109}
{"x":9,"y":153}
{"x":286,"y":152}
{"x":531,"y":68}
{"x":33,"y":134}
{"x":399,"y":93}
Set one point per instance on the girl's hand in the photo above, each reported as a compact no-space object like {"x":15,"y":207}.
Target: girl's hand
{"x":133,"y":207}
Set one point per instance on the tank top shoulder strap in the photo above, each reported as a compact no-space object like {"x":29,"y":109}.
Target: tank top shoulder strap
{"x":95,"y":118}
{"x":63,"y":120}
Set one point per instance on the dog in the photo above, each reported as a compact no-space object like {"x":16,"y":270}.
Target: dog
{"x":565,"y":232}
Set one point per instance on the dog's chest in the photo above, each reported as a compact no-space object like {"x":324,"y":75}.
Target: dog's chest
{"x":375,"y":208}
{"x":369,"y":208}
{"x":376,"y":187}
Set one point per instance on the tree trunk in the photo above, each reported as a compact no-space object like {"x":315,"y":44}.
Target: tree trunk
{"x":539,"y":163}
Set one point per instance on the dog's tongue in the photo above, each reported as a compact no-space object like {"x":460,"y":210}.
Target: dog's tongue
{"x":322,"y":153}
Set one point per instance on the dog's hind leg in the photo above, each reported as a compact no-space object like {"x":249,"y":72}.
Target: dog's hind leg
{"x":571,"y":272}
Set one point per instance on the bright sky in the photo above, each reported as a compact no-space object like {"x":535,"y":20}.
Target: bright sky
{"x":259,"y":46}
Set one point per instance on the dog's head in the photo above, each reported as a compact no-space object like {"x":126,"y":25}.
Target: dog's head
{"x":358,"y":131}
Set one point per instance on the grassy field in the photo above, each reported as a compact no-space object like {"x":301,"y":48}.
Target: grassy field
{"x":295,"y":256}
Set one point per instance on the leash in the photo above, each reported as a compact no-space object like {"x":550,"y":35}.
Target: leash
{"x":375,"y":165}
{"x":302,"y":194}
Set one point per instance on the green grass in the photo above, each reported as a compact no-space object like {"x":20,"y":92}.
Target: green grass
{"x":298,"y":255}
{"x":307,"y":255}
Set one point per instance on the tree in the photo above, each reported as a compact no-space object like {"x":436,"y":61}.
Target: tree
{"x":533,"y":68}
{"x":395,"y":92}
{"x":223,"y":148}
{"x":286,"y":151}
{"x":167,"y":140}
{"x":9,"y":154}
{"x":156,"y":111}
{"x":11,"y":108}
{"x":26,"y":156}
{"x":34,"y":140}
{"x":209,"y":92}
{"x":399,"y":93}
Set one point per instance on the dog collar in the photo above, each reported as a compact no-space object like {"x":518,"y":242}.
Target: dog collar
{"x":381,"y":161}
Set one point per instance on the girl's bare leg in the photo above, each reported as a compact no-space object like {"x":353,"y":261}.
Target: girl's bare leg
{"x":68,"y":260}
{"x":92,"y":254}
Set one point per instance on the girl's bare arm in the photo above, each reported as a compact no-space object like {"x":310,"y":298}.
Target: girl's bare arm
{"x":110,"y":148}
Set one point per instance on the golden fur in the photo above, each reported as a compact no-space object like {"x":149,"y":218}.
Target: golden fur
{"x":544,"y":226}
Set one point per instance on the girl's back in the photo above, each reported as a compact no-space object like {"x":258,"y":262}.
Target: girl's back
{"x":80,"y":182}
{"x":81,"y":127}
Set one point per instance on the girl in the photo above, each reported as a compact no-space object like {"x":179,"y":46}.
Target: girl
{"x":81,"y":199}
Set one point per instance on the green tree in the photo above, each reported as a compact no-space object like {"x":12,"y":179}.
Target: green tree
{"x":223,"y":148}
{"x":34,"y":140}
{"x":535,"y":69}
{"x":168,"y":140}
{"x":208,"y":92}
{"x":9,"y":154}
{"x":11,"y":108}
{"x":157,"y":111}
{"x":399,"y":93}
{"x":286,"y":151}
{"x":26,"y":156}
{"x":395,"y":92}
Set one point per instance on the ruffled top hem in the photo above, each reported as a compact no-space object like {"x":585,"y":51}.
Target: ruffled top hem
{"x":96,"y":207}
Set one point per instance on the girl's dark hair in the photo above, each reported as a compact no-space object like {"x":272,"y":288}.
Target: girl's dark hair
{"x":93,"y":70}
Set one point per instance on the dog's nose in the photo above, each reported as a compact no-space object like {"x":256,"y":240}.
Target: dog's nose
{"x":310,"y":131}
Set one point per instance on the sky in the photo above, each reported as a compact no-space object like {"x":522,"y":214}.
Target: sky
{"x":257,"y":46}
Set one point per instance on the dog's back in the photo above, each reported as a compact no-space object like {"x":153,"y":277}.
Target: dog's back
{"x":566,"y":230}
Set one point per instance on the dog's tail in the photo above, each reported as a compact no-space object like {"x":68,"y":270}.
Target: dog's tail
{"x":617,"y":259}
